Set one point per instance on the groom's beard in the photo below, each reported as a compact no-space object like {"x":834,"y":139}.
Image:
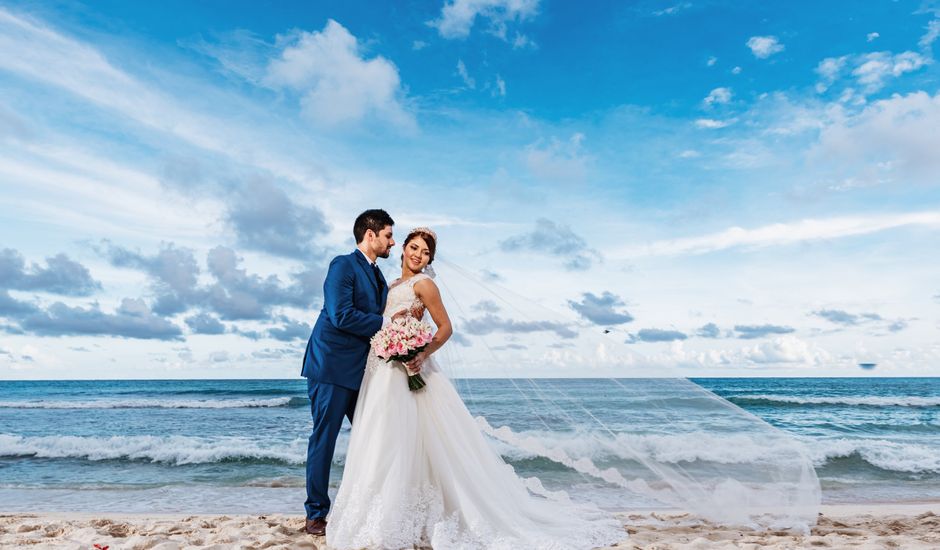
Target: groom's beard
{"x":385,"y":254}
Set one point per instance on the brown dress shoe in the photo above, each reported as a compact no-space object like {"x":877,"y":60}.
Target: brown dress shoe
{"x":316,"y":527}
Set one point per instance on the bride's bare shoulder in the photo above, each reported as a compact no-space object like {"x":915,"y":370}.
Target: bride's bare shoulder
{"x":425,"y":284}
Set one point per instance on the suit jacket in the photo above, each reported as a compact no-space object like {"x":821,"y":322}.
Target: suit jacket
{"x":353,"y":303}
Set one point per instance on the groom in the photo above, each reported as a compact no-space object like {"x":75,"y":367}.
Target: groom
{"x":353,"y":301}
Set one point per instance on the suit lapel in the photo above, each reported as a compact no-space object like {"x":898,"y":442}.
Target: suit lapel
{"x":366,"y":269}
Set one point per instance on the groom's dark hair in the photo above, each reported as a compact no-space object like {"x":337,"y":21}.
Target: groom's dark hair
{"x":375,"y":219}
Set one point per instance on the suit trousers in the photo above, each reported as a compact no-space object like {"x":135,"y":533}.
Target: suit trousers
{"x":329,"y":403}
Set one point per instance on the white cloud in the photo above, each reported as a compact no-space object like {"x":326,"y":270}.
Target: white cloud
{"x":871,"y":36}
{"x":780,"y":115}
{"x":522,"y":41}
{"x":711,"y":61}
{"x":719,"y":96}
{"x":40,"y":53}
{"x":468,"y":81}
{"x":337,"y":84}
{"x":558,"y":161}
{"x":764,"y":46}
{"x":241,"y":53}
{"x":828,"y":70}
{"x":870,"y":70}
{"x":712,"y":124}
{"x":736,"y":70}
{"x":672,"y":10}
{"x":890,"y":140}
{"x":28,"y":358}
{"x":418,"y":45}
{"x":500,"y":86}
{"x":458,"y":16}
{"x":116,"y":199}
{"x":785,"y":349}
{"x":689,"y":154}
{"x":782,"y":234}
{"x":933,"y":32}
{"x":874,"y":68}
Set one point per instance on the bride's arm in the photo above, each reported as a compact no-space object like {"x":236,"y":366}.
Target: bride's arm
{"x":430,"y":296}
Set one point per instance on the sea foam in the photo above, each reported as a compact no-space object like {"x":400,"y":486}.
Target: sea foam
{"x":563,"y":448}
{"x":864,"y":401}
{"x":722,"y":449}
{"x":174,"y":450}
{"x":157,"y":404}
{"x":884,"y":454}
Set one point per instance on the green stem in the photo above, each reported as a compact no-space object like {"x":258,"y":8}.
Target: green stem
{"x":415,"y":382}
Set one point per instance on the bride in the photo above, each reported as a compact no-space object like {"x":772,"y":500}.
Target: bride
{"x":418,"y":470}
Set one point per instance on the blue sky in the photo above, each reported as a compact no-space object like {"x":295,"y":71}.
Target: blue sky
{"x":731,"y":189}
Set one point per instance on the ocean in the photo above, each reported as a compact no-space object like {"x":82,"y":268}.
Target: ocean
{"x":238,"y":446}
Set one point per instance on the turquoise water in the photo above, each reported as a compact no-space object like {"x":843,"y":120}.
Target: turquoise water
{"x":239,"y":445}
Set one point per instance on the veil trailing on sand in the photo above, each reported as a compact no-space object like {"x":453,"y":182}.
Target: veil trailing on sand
{"x":634,"y":436}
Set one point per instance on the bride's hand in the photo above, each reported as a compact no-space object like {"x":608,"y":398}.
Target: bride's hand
{"x":416,"y":312}
{"x":415,"y":364}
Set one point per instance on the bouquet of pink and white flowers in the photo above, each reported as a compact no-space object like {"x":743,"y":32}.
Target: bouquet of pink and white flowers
{"x":402,"y":340}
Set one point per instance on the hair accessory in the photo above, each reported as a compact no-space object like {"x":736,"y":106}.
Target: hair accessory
{"x":427,"y":230}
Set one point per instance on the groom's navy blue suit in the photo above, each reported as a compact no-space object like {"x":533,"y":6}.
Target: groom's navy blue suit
{"x":354,"y":296}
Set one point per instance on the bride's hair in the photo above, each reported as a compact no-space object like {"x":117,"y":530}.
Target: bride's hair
{"x":429,"y":238}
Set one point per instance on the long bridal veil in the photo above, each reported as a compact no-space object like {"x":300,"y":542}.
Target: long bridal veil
{"x":619,"y":433}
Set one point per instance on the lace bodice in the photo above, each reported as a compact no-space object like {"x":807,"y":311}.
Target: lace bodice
{"x":401,"y":295}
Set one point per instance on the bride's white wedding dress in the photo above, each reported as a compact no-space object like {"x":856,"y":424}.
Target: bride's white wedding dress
{"x":420,"y":473}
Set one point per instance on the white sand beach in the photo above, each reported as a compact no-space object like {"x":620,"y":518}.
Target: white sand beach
{"x":889,"y":526}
